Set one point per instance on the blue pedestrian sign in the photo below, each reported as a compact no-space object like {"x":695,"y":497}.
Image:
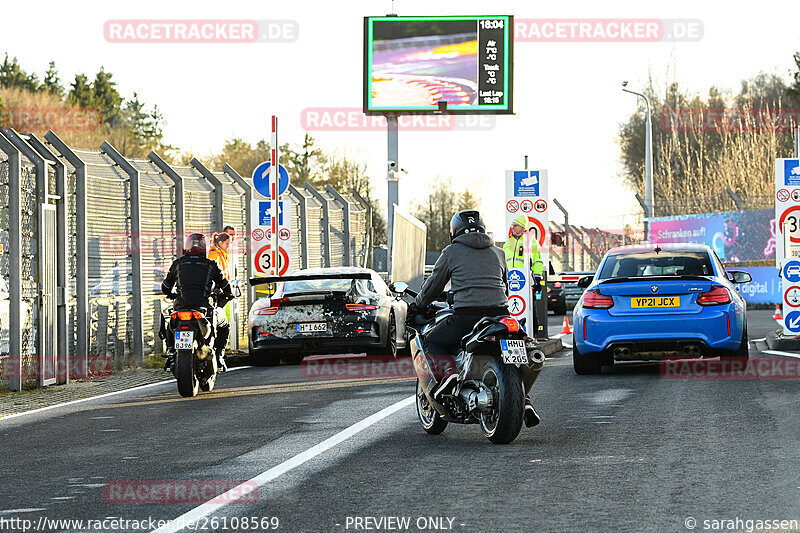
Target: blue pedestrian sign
{"x":261,"y":179}
{"x":791,"y":171}
{"x":526,"y":183}
{"x":791,"y":271}
{"x":516,"y":280}
{"x":792,"y":321}
{"x":264,"y":210}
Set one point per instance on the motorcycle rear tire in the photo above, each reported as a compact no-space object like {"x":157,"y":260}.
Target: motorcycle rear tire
{"x":430,"y":420}
{"x":506,"y":384}
{"x":188,"y":384}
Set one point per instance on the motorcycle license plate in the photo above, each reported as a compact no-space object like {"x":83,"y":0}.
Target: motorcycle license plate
{"x":184,"y":340}
{"x":313,"y":327}
{"x":514,"y":352}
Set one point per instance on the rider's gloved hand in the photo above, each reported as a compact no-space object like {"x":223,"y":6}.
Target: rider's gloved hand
{"x":537,"y":283}
{"x":414,"y":309}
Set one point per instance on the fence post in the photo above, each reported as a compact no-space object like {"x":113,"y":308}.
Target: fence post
{"x":248,"y":199}
{"x":346,"y":223}
{"x":136,"y":250}
{"x":303,"y":203}
{"x":219,"y":193}
{"x":14,"y":264}
{"x":81,"y":251}
{"x":62,"y":251}
{"x":43,"y":299}
{"x":368,"y":242}
{"x":180,"y":230}
{"x":326,"y":232}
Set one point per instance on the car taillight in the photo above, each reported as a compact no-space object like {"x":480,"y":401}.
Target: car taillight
{"x":716,"y":296}
{"x":274,"y":305}
{"x":511,"y":324}
{"x":594,"y":300}
{"x":360,"y":307}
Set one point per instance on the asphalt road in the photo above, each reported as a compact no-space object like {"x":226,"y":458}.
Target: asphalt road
{"x":624,"y":451}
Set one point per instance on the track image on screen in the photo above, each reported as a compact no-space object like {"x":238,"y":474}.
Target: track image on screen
{"x":417,"y":64}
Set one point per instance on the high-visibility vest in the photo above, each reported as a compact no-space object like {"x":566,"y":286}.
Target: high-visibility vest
{"x":515,"y":256}
{"x":222,"y":258}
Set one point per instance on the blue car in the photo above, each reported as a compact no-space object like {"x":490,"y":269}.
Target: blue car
{"x":647,"y":302}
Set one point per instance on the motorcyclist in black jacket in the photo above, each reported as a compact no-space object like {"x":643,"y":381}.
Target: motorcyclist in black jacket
{"x":195,"y":278}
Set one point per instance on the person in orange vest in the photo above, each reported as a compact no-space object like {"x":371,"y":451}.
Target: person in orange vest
{"x":219,"y":253}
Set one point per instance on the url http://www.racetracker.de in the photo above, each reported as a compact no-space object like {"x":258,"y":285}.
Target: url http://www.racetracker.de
{"x":206,"y":523}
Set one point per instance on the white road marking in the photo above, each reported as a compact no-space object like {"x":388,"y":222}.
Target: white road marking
{"x":784,"y":354}
{"x":273,"y":473}
{"x":19,"y":511}
{"x":762,"y":339}
{"x":106,"y":395}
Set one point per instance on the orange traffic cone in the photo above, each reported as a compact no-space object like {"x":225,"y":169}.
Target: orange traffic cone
{"x":777,"y":315}
{"x":565,"y":330}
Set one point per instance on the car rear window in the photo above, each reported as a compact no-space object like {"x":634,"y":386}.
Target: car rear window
{"x":317,"y":285}
{"x":650,"y":263}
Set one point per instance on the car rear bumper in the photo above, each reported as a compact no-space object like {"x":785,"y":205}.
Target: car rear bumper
{"x":317,"y":345}
{"x":655,"y":336}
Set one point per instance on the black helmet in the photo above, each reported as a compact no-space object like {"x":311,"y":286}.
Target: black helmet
{"x":467,"y":221}
{"x":195,"y":245}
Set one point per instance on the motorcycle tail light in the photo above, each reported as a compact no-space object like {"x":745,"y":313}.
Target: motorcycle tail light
{"x":360,"y":307}
{"x":594,"y":300}
{"x":557,"y":284}
{"x":197,"y":314}
{"x":511,"y":324}
{"x":716,"y":296}
{"x":182,"y":315}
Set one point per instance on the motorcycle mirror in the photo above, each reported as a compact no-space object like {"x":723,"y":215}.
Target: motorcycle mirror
{"x":399,"y":287}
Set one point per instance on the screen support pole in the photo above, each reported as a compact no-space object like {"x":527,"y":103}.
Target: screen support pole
{"x":393,"y":168}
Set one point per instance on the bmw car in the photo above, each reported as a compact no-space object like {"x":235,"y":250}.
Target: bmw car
{"x":647,"y":302}
{"x":323,"y":311}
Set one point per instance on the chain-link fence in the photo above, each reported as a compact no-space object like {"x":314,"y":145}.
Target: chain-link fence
{"x":119,"y":225}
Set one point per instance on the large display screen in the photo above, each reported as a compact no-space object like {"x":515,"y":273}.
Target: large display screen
{"x":432,"y":64}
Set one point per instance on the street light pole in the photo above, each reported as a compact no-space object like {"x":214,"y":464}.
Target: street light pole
{"x":648,"y":157}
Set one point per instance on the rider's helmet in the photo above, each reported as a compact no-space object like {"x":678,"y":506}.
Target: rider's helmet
{"x":466,"y":221}
{"x":195,"y":245}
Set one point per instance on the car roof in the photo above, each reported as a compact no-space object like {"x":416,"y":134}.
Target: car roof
{"x":666,"y":246}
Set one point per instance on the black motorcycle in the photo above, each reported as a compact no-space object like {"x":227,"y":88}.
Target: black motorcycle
{"x":194,"y":332}
{"x":498,"y":364}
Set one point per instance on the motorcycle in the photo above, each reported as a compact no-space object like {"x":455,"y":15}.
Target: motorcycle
{"x":194,"y":331}
{"x":499,"y":364}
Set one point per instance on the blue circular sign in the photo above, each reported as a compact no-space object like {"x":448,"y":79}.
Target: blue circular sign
{"x":791,"y":271}
{"x":792,"y":321}
{"x":261,"y":179}
{"x":516,"y":280}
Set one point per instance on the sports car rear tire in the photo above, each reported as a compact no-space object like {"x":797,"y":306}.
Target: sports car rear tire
{"x":742,"y":354}
{"x":584,"y":364}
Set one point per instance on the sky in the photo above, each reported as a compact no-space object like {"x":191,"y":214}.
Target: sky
{"x":568,"y":101}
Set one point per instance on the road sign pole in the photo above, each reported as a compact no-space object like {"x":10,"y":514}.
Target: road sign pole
{"x":391,"y":177}
{"x":275,"y":177}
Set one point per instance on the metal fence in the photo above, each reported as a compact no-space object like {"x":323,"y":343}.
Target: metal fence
{"x":87,"y":236}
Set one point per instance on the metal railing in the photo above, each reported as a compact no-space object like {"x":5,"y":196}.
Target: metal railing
{"x":119,"y":224}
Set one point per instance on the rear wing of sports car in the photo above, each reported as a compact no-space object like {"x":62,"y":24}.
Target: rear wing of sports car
{"x":309,"y":277}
